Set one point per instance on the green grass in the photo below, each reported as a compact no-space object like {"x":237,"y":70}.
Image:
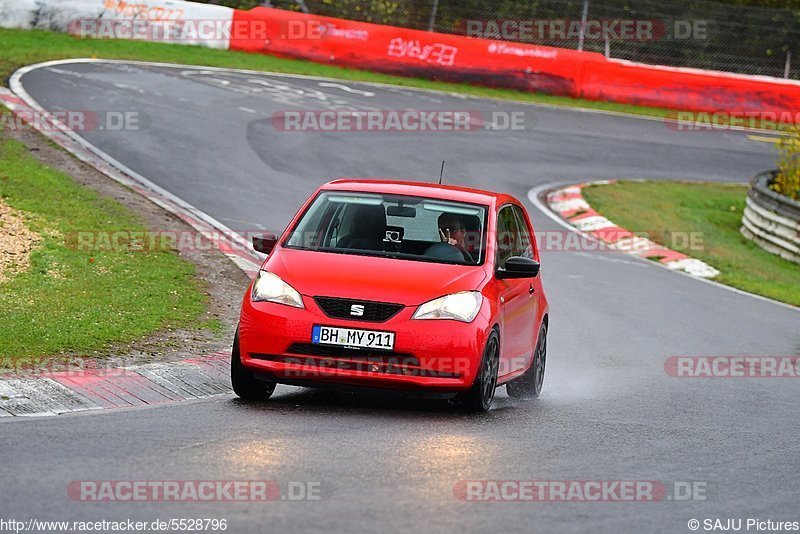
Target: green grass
{"x":715,"y":211}
{"x":72,"y":301}
{"x":23,"y":47}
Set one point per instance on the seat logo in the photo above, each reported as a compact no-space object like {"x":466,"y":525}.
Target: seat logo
{"x":357,"y":310}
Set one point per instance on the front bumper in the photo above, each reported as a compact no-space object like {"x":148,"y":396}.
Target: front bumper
{"x":430,"y":355}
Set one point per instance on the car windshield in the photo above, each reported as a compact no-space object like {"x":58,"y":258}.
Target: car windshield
{"x":402,"y":227}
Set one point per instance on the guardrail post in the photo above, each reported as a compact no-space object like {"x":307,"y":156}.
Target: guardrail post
{"x":434,"y":10}
{"x":788,"y":66}
{"x":584,"y":17}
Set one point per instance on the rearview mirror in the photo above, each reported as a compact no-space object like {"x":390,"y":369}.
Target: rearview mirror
{"x":401,"y":211}
{"x":519,"y":267}
{"x":265,"y":242}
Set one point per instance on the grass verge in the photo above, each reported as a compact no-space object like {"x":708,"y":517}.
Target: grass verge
{"x":72,"y":301}
{"x":668,"y":211}
{"x":23,"y":47}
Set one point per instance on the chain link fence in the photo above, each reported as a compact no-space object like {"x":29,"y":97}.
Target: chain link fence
{"x":701,"y":34}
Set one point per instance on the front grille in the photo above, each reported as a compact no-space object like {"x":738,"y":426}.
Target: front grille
{"x":376,"y":312}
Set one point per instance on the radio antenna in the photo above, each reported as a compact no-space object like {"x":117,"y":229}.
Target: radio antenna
{"x":441,"y":172}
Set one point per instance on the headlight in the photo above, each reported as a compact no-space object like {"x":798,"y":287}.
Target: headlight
{"x":271,"y":288}
{"x":462,"y":306}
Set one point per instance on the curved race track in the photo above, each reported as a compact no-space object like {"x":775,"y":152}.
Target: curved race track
{"x":608,"y":412}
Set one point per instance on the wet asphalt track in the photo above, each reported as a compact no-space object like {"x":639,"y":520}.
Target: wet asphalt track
{"x":608,"y":411}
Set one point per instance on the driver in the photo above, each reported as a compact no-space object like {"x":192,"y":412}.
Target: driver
{"x":452,"y":231}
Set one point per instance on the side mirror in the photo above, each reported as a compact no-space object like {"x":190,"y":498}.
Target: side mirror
{"x":519,"y":267}
{"x":265,"y":243}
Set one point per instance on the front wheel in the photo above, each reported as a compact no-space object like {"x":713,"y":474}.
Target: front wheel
{"x":529,"y":385}
{"x":479,"y":397}
{"x":244,"y":382}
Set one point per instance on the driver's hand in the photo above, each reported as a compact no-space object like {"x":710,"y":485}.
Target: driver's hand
{"x":446,"y":237}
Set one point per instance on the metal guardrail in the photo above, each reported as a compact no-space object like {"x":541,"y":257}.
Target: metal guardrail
{"x":771,"y":220}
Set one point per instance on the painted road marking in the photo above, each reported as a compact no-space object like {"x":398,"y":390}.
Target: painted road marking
{"x":346,"y":88}
{"x":763,"y":138}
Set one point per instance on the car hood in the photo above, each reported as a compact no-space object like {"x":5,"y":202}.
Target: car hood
{"x":371,"y":278}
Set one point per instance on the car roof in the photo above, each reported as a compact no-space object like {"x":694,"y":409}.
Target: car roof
{"x":431,"y":190}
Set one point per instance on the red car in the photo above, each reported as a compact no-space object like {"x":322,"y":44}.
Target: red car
{"x":397,"y":285}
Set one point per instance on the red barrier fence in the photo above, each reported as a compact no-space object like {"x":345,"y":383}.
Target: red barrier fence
{"x":690,"y":89}
{"x":526,"y":67}
{"x":414,"y":53}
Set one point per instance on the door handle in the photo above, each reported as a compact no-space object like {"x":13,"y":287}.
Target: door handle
{"x":531,"y":290}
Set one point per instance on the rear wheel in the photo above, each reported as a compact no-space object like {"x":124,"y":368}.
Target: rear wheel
{"x":244,"y":382}
{"x":479,"y":397}
{"x":529,"y":385}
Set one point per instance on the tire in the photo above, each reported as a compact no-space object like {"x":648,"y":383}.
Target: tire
{"x":245,"y":384}
{"x":479,"y":397}
{"x":529,"y":385}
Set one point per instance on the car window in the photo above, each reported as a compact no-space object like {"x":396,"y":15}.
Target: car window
{"x":402,"y":227}
{"x":507,"y":236}
{"x":318,"y":218}
{"x":525,"y":240}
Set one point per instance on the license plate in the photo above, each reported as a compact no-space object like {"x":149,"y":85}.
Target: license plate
{"x":352,"y":337}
